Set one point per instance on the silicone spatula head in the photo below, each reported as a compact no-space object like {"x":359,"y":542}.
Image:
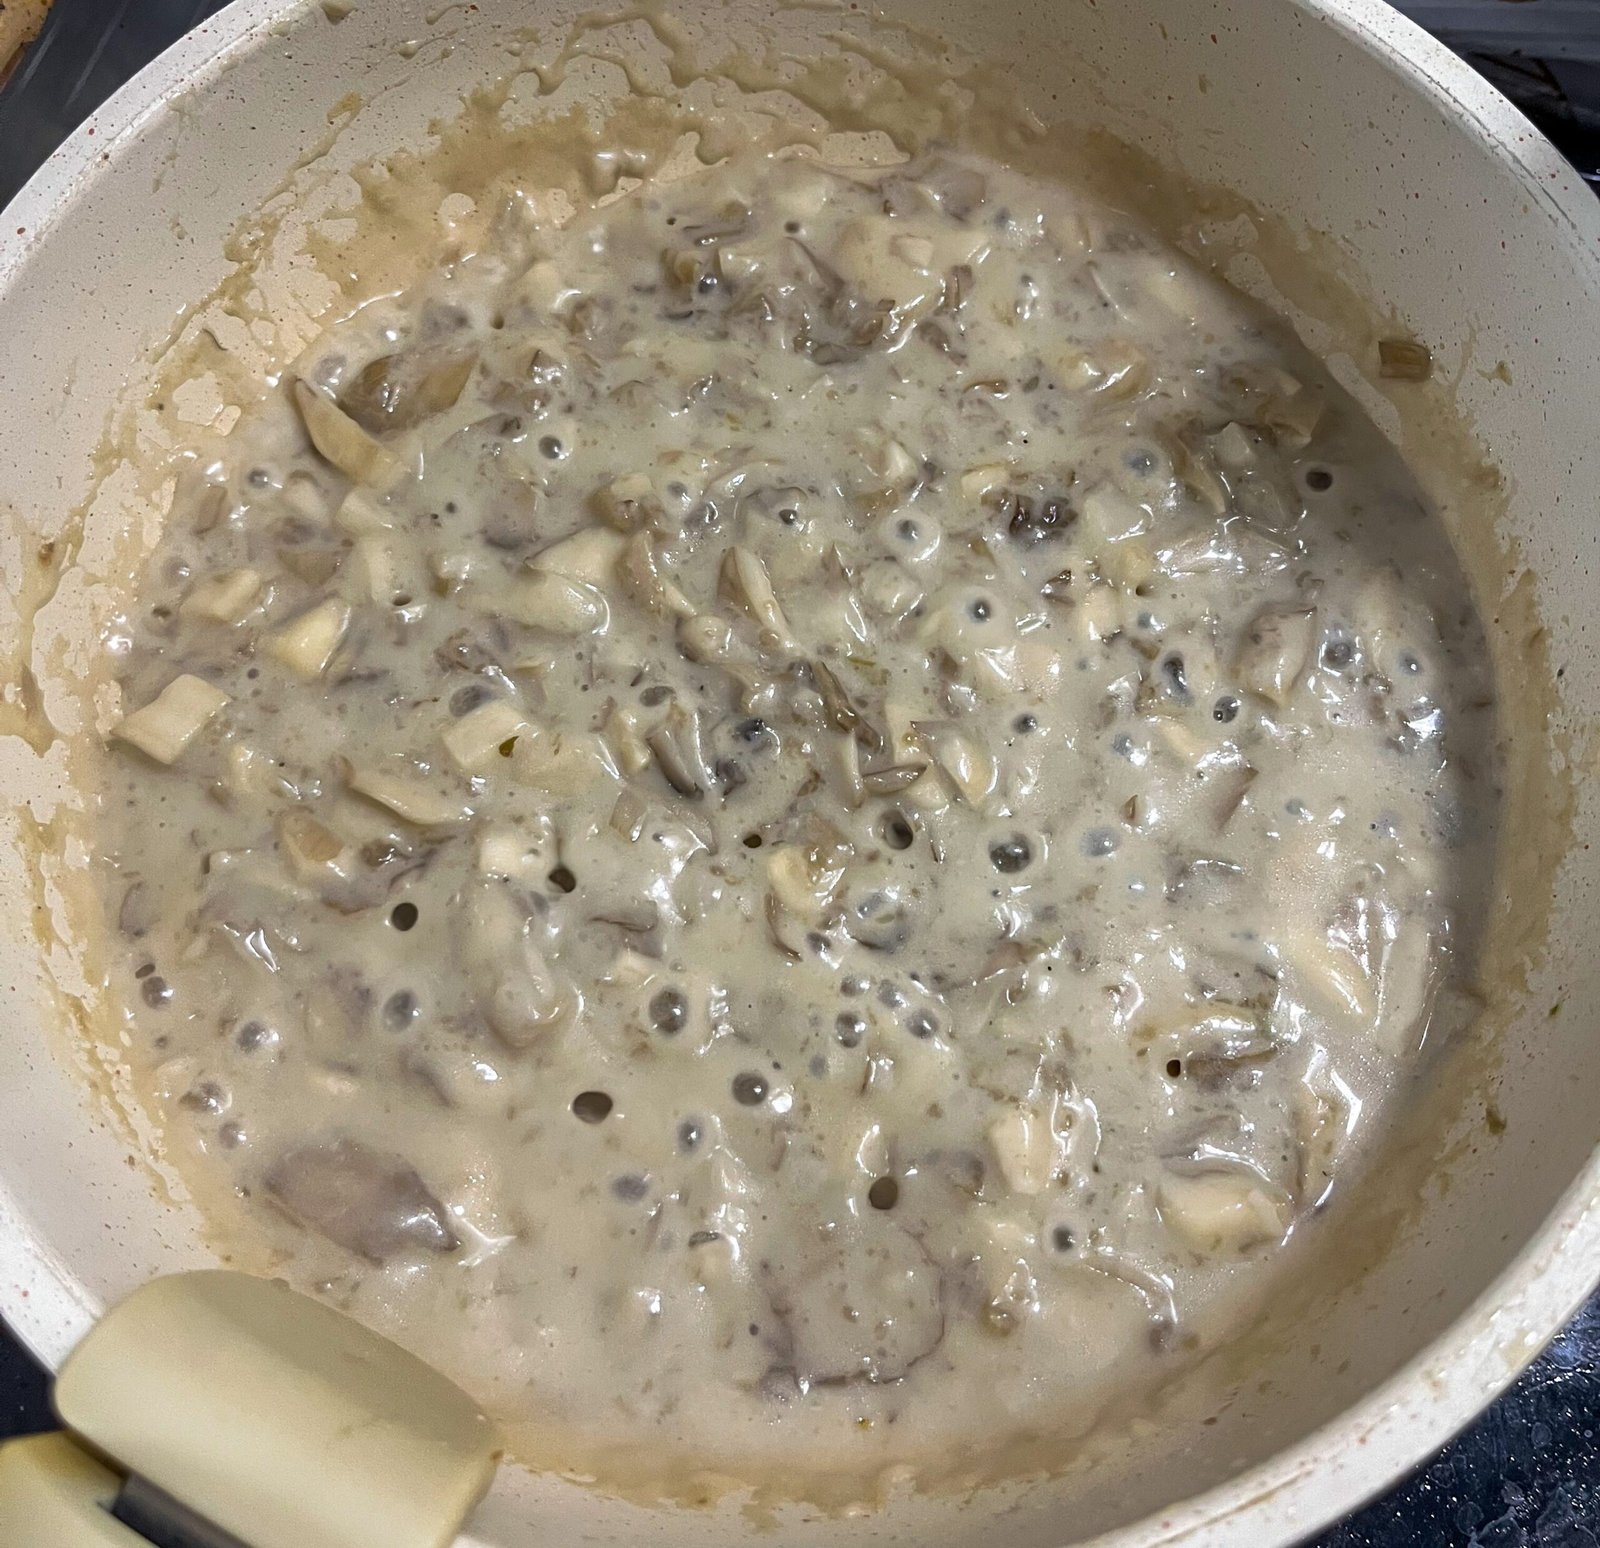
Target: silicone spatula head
{"x":277,"y":1419}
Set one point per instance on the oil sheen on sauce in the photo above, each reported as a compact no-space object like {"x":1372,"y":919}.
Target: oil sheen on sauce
{"x":810,"y":817}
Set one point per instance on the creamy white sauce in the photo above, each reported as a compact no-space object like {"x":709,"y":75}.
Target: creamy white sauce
{"x":836,"y":839}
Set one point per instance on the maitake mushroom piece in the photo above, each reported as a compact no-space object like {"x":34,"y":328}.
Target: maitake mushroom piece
{"x":370,"y":1203}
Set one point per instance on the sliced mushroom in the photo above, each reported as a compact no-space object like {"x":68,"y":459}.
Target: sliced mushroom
{"x":745,"y":583}
{"x":1325,"y":1113}
{"x":397,"y":392}
{"x":841,"y":713}
{"x":861,"y":1301}
{"x":370,"y":1203}
{"x":892,"y":778}
{"x":675,"y":742}
{"x":405,"y":789}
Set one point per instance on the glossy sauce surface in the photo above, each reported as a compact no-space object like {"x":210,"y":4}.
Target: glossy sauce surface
{"x":810,"y":816}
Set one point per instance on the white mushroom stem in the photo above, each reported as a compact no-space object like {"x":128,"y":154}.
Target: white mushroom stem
{"x":173,"y":719}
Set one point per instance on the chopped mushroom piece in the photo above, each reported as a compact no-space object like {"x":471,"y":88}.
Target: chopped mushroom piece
{"x":360,"y":514}
{"x":1293,"y":418}
{"x":224,"y":598}
{"x":332,"y":867}
{"x":1224,"y":1211}
{"x":554,"y":604}
{"x":516,"y":853}
{"x":805,"y":880}
{"x":1027,"y":1148}
{"x":588,"y":556}
{"x":1232,"y":783}
{"x":970,"y":769}
{"x":678,"y":753}
{"x":484,"y":734}
{"x":643,"y":578}
{"x":528,"y":1002}
{"x":406,"y":794}
{"x":173,"y":719}
{"x":629,"y":503}
{"x":306,"y":643}
{"x":705,"y":638}
{"x":344,"y":443}
{"x":562,"y":765}
{"x":1404,"y":360}
{"x":1276,"y":652}
{"x":1117,"y":369}
{"x":629,"y":816}
{"x":310,"y":845}
{"x":623,"y":734}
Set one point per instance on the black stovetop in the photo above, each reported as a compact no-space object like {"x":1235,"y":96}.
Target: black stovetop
{"x":1526,"y":1474}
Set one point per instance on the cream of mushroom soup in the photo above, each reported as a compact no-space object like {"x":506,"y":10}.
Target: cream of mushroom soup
{"x":810,"y":815}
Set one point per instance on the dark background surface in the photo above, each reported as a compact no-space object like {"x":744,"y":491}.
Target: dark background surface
{"x":1527,"y":1474}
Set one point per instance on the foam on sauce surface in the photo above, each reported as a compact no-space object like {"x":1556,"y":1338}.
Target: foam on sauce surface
{"x":808,"y":817}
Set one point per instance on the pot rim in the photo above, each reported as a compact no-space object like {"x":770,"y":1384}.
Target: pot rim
{"x":1365,"y":1449}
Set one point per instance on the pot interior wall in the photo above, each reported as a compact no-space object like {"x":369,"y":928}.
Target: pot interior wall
{"x":1373,"y":176}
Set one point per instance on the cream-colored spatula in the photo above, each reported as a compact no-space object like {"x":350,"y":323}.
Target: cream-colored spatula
{"x":215,"y":1410}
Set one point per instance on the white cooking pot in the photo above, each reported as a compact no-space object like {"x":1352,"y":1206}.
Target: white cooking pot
{"x":1348,"y":165}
